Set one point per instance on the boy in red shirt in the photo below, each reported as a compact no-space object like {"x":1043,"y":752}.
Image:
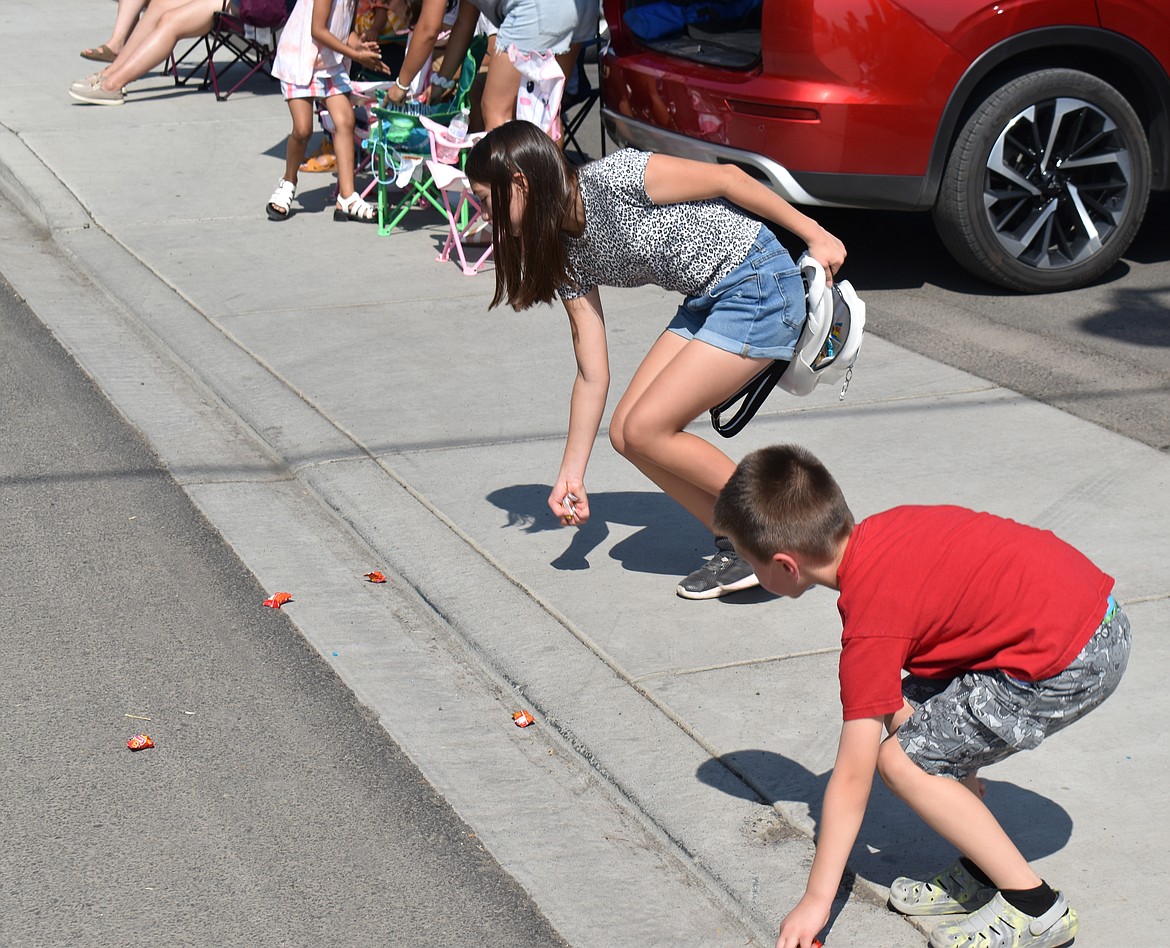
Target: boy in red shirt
{"x":1008,"y":635}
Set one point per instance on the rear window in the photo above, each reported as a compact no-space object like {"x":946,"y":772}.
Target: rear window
{"x":715,"y":34}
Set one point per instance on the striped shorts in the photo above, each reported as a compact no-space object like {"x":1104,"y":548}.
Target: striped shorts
{"x":322,"y":87}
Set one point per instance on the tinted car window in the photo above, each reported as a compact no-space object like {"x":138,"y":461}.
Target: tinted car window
{"x":716,"y":34}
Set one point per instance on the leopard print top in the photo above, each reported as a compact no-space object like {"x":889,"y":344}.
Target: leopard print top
{"x":631,"y":241}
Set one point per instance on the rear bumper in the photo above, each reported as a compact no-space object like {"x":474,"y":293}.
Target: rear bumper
{"x":646,"y":137}
{"x":812,"y":189}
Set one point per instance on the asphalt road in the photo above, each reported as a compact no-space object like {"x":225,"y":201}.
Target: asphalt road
{"x":1101,"y":353}
{"x":272,"y":811}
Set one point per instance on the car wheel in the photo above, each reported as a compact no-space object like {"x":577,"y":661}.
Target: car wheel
{"x":1046,"y":184}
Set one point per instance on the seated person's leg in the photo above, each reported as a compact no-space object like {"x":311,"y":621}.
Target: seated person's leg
{"x":148,"y":48}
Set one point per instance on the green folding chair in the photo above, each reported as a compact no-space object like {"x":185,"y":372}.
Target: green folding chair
{"x":397,"y":136}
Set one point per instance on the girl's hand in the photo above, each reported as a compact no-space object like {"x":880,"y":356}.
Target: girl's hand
{"x":569,"y":502}
{"x":799,"y":929}
{"x":829,"y":252}
{"x":396,"y":95}
{"x":370,"y":56}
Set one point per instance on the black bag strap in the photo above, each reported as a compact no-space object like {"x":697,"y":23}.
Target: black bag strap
{"x":753,"y":395}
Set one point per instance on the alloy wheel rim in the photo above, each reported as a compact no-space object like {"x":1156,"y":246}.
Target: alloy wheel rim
{"x":1057,"y":183}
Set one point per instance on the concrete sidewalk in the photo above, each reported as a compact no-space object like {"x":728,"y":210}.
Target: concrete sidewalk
{"x":336,"y":402}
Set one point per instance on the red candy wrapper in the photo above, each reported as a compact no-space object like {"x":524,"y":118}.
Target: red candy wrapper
{"x":375,"y":577}
{"x":140,"y":742}
{"x":276,"y":600}
{"x":523,"y":719}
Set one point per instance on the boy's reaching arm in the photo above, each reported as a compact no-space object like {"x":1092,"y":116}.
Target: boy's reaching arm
{"x":845,"y":798}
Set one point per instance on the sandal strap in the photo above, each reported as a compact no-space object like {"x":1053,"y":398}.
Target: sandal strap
{"x":356,"y":206}
{"x":283,"y":195}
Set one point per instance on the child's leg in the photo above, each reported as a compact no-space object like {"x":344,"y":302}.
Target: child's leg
{"x":341,"y":111}
{"x":298,"y":139}
{"x":677,"y":381}
{"x":957,"y":814}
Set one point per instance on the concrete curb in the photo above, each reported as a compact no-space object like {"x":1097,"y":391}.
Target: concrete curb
{"x":30,"y":184}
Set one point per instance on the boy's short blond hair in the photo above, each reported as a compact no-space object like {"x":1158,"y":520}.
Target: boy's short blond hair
{"x":783,"y":500}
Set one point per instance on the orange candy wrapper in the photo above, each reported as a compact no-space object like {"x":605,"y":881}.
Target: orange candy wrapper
{"x":375,"y":577}
{"x":140,"y":742}
{"x":276,"y":600}
{"x":523,"y":719}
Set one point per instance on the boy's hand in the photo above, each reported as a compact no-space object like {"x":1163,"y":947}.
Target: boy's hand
{"x":799,"y":929}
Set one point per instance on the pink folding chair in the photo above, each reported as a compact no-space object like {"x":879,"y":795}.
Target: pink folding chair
{"x":247,"y":35}
{"x":445,"y":166}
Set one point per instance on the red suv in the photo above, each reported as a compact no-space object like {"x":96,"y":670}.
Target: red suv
{"x":1033,"y":129}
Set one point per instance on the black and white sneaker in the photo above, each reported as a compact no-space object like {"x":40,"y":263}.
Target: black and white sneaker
{"x":725,"y":572}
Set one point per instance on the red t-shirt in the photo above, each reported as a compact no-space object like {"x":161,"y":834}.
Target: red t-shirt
{"x":939,"y":591}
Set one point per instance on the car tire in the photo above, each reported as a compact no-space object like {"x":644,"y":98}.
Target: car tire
{"x":1046,"y":184}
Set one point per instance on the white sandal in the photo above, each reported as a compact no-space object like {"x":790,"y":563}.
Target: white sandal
{"x":281,"y":200}
{"x":354,"y":208}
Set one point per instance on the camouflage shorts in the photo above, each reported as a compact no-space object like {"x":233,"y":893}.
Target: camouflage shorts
{"x":962,"y":724}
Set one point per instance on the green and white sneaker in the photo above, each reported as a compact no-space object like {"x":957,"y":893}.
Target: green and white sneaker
{"x":999,"y":924}
{"x":954,"y":891}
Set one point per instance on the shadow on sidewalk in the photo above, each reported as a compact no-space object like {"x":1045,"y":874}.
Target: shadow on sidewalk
{"x":670,"y":542}
{"x":893,"y":841}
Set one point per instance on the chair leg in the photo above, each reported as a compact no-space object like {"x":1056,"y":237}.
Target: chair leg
{"x":176,"y":60}
{"x":253,"y":55}
{"x":469,"y":212}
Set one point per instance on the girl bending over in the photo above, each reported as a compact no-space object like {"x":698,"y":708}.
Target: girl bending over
{"x":631,"y":219}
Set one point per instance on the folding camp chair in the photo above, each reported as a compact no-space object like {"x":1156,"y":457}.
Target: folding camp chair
{"x":578,"y":102}
{"x":445,"y":167}
{"x":401,"y":146}
{"x":248,"y":36}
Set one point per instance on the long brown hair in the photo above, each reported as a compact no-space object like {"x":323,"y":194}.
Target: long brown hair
{"x":532,"y":264}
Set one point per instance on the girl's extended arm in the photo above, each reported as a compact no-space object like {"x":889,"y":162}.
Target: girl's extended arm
{"x":845,"y":798}
{"x":672,"y":180}
{"x":352,"y":47}
{"x":586,"y":406}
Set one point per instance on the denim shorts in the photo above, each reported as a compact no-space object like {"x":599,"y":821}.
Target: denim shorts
{"x":536,"y":26}
{"x":757,"y":310}
{"x":962,"y":724}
